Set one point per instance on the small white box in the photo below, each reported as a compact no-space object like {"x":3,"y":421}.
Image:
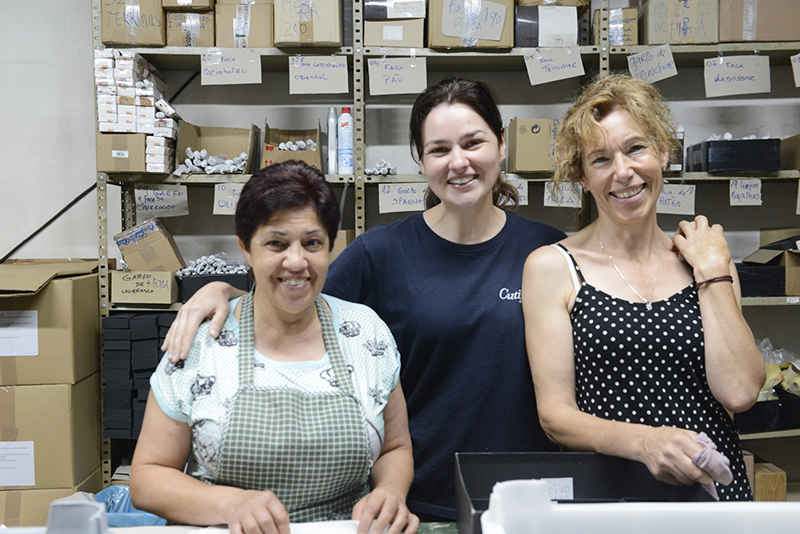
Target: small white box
{"x":107,"y":118}
{"x":159,"y":168}
{"x":107,"y":109}
{"x":127,"y":91}
{"x":106,"y":100}
{"x":162,"y":131}
{"x":126,"y":110}
{"x":146,"y":101}
{"x":107,"y":90}
{"x":154,"y":141}
{"x":158,"y":158}
{"x":123,"y":100}
{"x":146,"y":113}
{"x":145,"y":128}
{"x":104,"y":80}
{"x":167,"y":123}
{"x":103,"y":63}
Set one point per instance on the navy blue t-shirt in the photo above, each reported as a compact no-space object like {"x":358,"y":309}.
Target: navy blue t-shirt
{"x":456,"y":315}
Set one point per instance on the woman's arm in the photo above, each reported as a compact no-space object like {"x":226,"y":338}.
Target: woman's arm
{"x":547,"y":298}
{"x":392,"y":475}
{"x":734,"y":366}
{"x":210,"y":302}
{"x":159,"y":485}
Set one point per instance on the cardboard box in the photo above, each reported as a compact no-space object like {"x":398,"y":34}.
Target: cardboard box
{"x":63,"y":295}
{"x":30,"y":507}
{"x":58,"y":427}
{"x":148,"y":246}
{"x":769,"y":484}
{"x":120,"y":152}
{"x":143,"y":287}
{"x":190,"y":29}
{"x":526,"y":26}
{"x":394,"y":9}
{"x":218,"y":141}
{"x":343,"y":239}
{"x":133,"y":22}
{"x":790,"y":153}
{"x":187,"y":5}
{"x":774,"y":253}
{"x":679,"y":22}
{"x":765,"y":20}
{"x":405,"y":33}
{"x":531,"y":144}
{"x":245,"y":25}
{"x":594,"y":477}
{"x":446,"y":31}
{"x":308,"y":23}
{"x":273,"y":137}
{"x":623,"y":27}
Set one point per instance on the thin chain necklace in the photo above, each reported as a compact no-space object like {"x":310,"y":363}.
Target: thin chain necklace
{"x":648,"y":304}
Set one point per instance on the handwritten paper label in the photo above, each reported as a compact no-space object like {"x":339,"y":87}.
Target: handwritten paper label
{"x":653,"y":65}
{"x":798,"y":198}
{"x":568,"y":195}
{"x":230,"y":66}
{"x":677,"y":199}
{"x":522,"y":190}
{"x":19,"y":333}
{"x":396,"y":76}
{"x":162,"y":200}
{"x":551,"y":64}
{"x":394,"y":198}
{"x":225,"y":198}
{"x":745,"y":192}
{"x":796,"y":69}
{"x":737,"y":75}
{"x":469,"y":20}
{"x":16,"y":463}
{"x":560,"y":489}
{"x":318,"y":75}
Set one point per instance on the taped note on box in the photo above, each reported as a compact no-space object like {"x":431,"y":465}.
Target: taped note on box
{"x":16,"y":464}
{"x":568,"y":195}
{"x":19,"y":333}
{"x":318,"y":75}
{"x":522,"y":190}
{"x":551,"y":64}
{"x":677,"y":199}
{"x":736,"y":75}
{"x":470,"y":20}
{"x":745,"y":192}
{"x":226,"y":196}
{"x":162,"y":200}
{"x":395,"y":198}
{"x":653,"y":65}
{"x":397,"y":76}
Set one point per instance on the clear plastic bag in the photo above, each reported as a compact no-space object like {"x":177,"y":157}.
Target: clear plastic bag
{"x":121,"y":513}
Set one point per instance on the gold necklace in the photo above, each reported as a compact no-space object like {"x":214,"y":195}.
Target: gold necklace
{"x":648,"y":304}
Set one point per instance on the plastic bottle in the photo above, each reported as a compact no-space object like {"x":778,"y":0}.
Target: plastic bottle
{"x":345,"y":141}
{"x":333,"y":155}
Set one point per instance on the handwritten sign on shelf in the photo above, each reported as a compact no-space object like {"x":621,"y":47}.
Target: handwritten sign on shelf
{"x":395,"y":198}
{"x":522,"y":190}
{"x":396,"y":76}
{"x":230,"y":66}
{"x":736,"y":75}
{"x":796,"y":69}
{"x":162,"y":200}
{"x":745,"y":192}
{"x":560,"y":489}
{"x":225,"y":198}
{"x":568,"y":195}
{"x":550,"y":64}
{"x":653,"y":65}
{"x":310,"y":75}
{"x":470,"y":20}
{"x":677,"y":199}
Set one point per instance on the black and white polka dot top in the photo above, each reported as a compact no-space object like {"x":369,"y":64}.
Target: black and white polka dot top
{"x":648,"y":366}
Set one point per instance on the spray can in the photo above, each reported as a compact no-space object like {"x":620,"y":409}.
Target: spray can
{"x":345,"y":142}
{"x":333,"y":155}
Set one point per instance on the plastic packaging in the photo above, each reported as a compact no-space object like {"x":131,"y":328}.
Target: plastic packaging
{"x":333,"y":156}
{"x":121,"y":513}
{"x":345,"y":142}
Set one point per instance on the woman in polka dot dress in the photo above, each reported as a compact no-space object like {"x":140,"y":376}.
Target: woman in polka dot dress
{"x":636,"y":340}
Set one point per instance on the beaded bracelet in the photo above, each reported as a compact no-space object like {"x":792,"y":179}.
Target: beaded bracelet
{"x":726,"y":278}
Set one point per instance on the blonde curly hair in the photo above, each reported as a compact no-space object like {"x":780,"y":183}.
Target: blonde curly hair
{"x":581,"y":124}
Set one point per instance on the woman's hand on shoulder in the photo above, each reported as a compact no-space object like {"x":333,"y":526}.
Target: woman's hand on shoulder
{"x":668,"y":455}
{"x":257,"y":512}
{"x":704,"y":247}
{"x":386,"y":509}
{"x":210,"y":302}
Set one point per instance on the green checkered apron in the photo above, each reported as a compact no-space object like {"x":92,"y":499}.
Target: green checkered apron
{"x":311,"y":450}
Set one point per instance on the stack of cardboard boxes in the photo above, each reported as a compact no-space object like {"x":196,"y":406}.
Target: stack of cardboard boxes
{"x":50,"y":441}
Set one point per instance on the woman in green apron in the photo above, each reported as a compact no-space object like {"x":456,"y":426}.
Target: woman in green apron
{"x":294,"y":412}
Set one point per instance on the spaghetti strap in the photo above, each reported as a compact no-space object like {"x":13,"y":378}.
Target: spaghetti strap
{"x":574,"y":269}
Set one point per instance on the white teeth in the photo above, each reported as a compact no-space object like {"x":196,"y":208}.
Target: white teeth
{"x":461,"y":181}
{"x":293,"y":281}
{"x":629,"y":194}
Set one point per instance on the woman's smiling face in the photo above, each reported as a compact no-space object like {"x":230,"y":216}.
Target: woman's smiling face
{"x":461,"y":155}
{"x":623,"y":169}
